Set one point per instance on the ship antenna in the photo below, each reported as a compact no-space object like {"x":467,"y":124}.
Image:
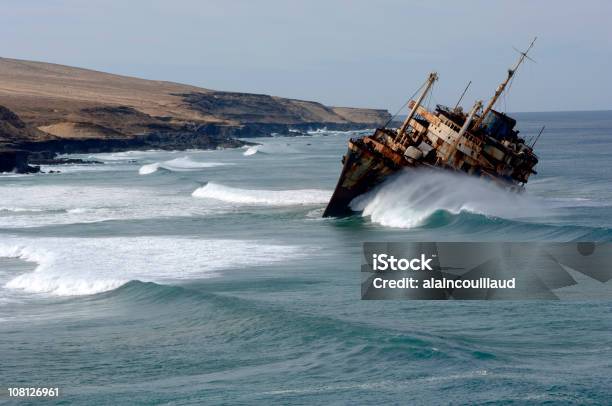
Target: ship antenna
{"x":503,"y":85}
{"x":463,"y":94}
{"x":538,"y":136}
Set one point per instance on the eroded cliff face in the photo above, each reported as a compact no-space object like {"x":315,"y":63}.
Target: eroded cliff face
{"x":12,"y":132}
{"x":21,"y":144}
{"x":246,"y":108}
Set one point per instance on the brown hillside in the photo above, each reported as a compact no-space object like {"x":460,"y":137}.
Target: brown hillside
{"x":79,"y":103}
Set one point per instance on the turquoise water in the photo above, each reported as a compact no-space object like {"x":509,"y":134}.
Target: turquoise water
{"x":207,"y":277}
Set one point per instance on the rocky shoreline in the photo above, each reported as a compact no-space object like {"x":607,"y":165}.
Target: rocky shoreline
{"x":25,"y":157}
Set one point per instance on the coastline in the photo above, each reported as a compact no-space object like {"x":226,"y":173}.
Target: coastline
{"x":48,"y":109}
{"x":24,"y":157}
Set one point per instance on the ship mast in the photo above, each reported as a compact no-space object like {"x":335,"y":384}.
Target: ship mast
{"x":433,"y":76}
{"x":503,"y":85}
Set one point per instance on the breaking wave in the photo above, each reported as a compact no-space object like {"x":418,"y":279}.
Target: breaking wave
{"x":262,"y":197}
{"x":251,"y":150}
{"x":177,"y":165}
{"x":83,"y":266}
{"x":270,"y":148}
{"x":20,"y":210}
{"x":411,"y":198}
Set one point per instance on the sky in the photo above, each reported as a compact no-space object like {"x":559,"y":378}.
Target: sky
{"x":357,"y":53}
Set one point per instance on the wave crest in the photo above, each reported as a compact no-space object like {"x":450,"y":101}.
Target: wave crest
{"x":84,"y":266}
{"x":251,"y":150}
{"x":272,"y":148}
{"x":262,"y":197}
{"x":409,"y":199}
{"x":176,"y":165}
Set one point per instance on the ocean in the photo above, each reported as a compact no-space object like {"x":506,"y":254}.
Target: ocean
{"x":209,"y":277}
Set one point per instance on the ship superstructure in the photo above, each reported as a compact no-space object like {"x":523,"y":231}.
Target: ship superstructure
{"x":482,"y":142}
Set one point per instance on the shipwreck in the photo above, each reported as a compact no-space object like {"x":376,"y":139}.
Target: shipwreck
{"x":482,"y":142}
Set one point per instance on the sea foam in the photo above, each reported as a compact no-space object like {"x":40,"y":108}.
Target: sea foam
{"x":272,"y":148}
{"x":410,"y":198}
{"x":251,"y":150}
{"x":83,"y":266}
{"x":26,"y":205}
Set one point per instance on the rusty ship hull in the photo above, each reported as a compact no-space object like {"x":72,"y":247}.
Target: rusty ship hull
{"x":366,"y":164}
